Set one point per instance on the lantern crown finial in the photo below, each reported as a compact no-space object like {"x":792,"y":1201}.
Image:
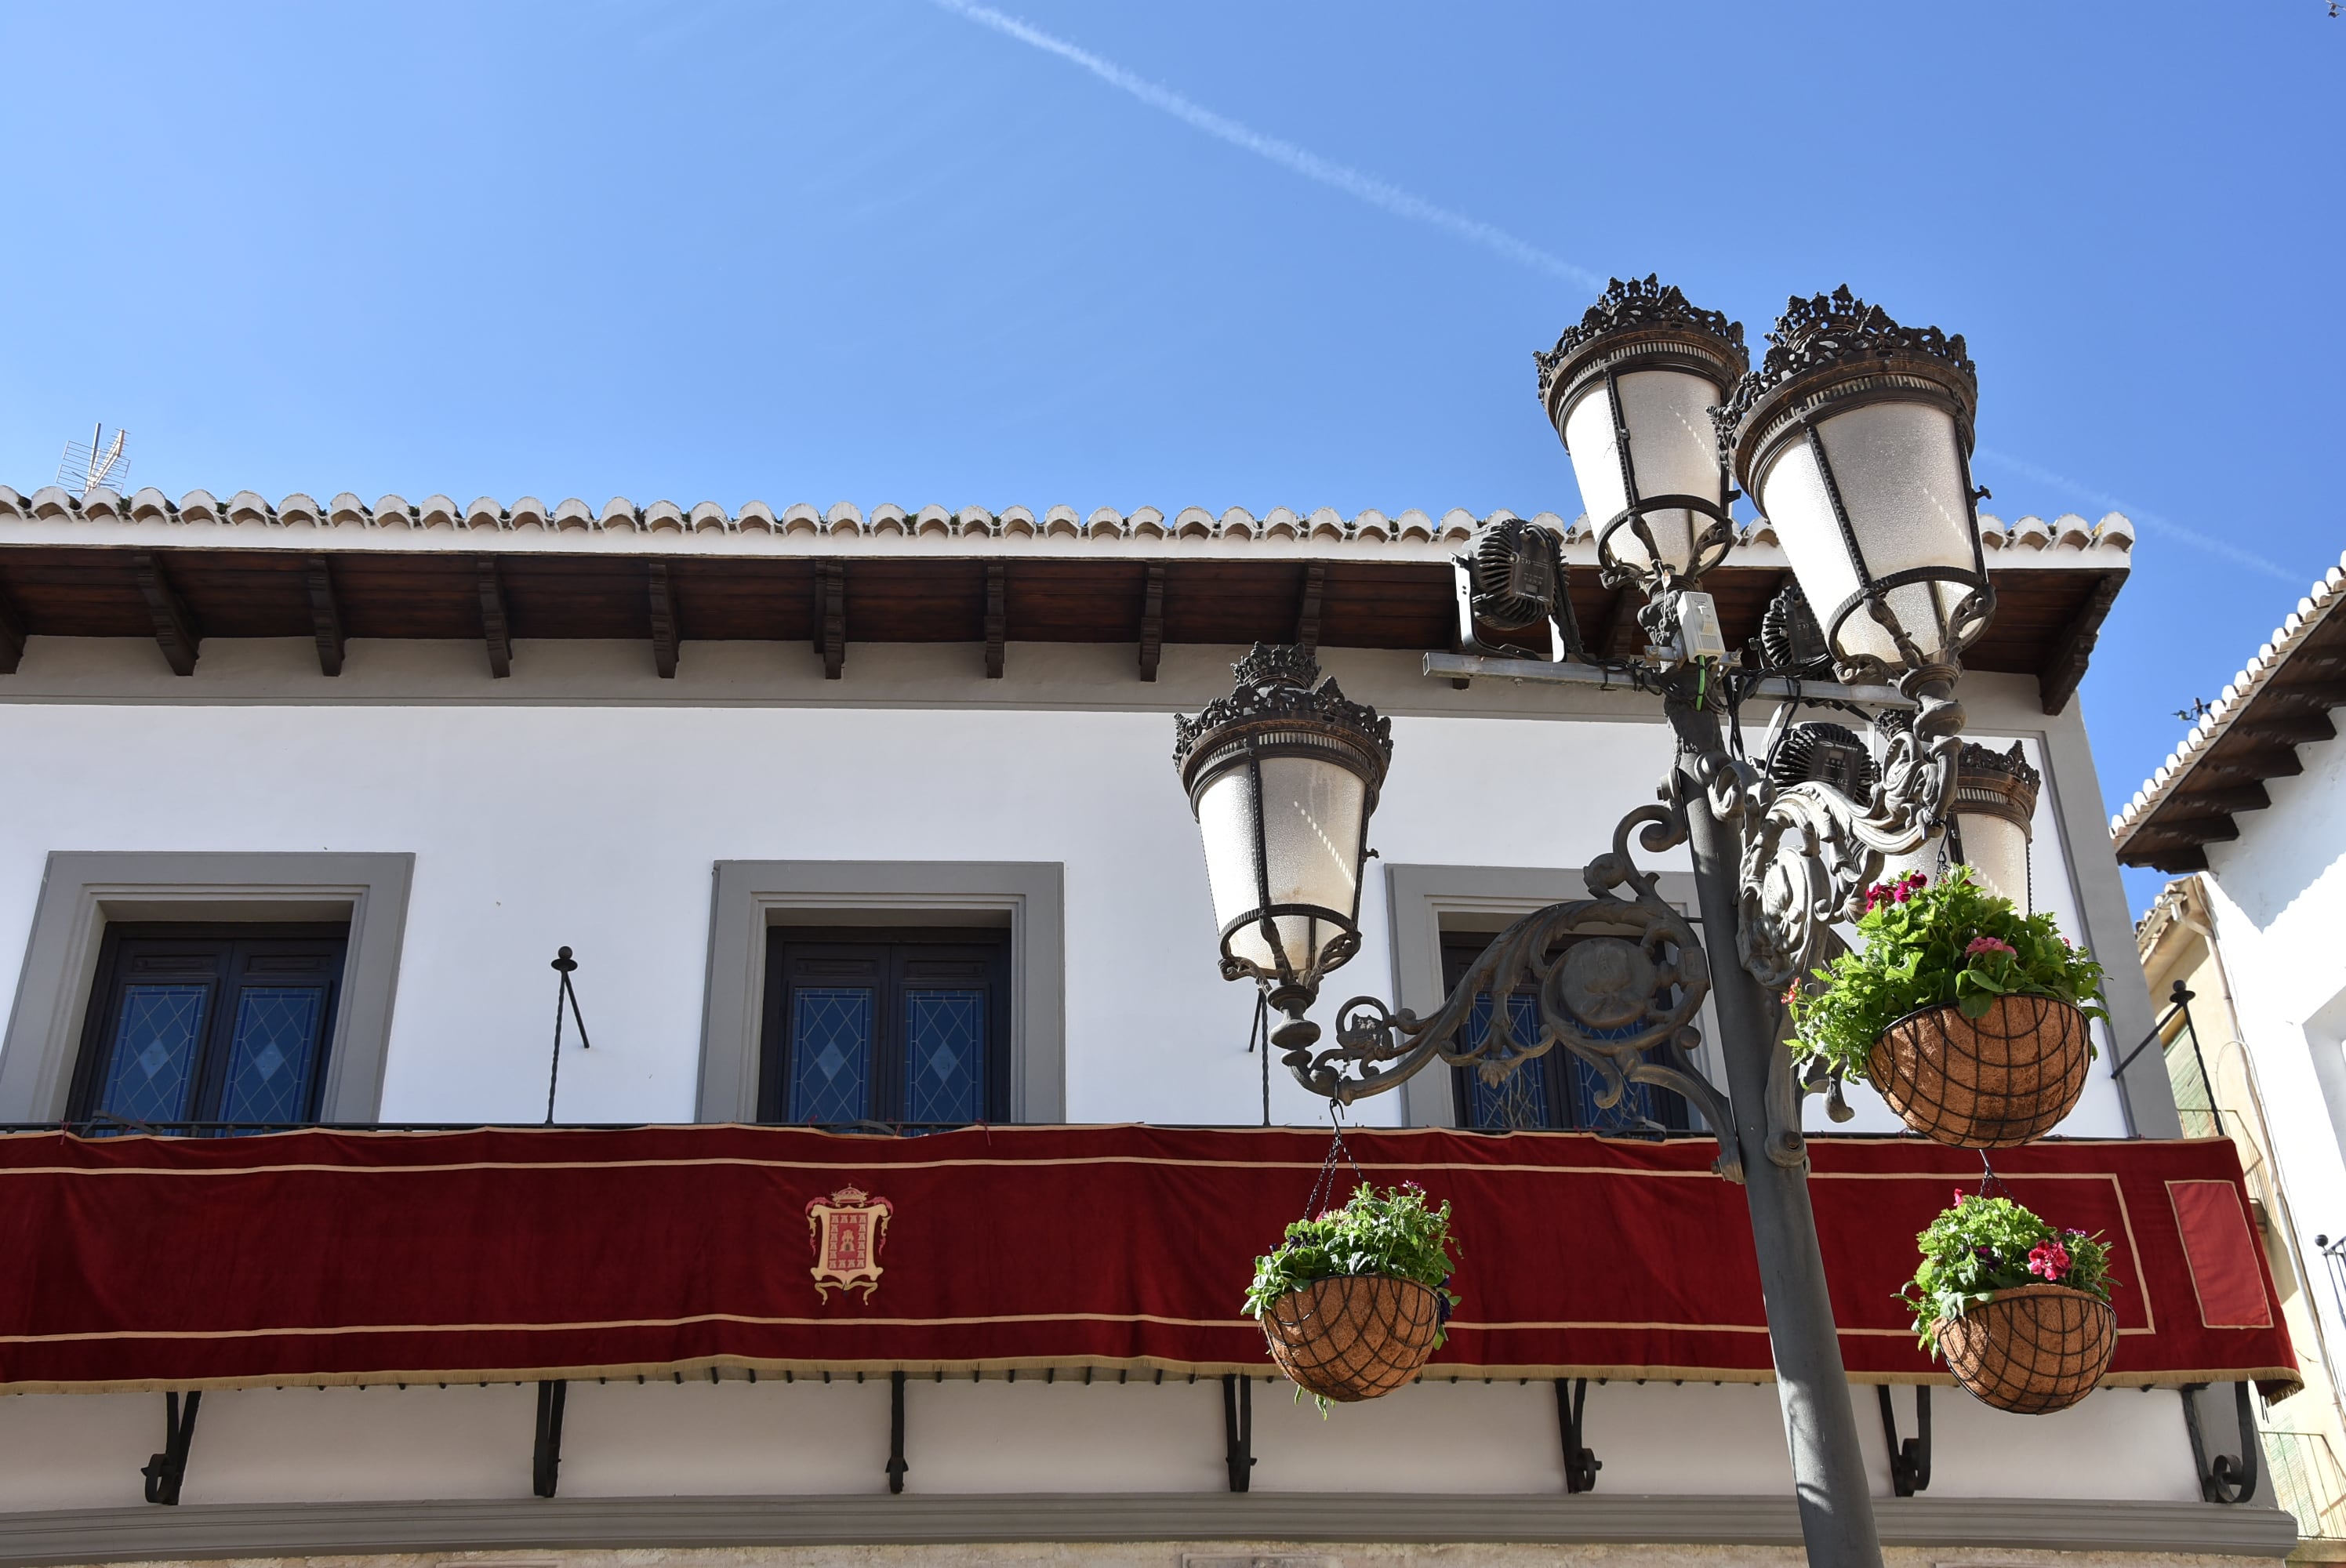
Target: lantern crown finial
{"x":1274,"y":690}
{"x":1641,"y":303}
{"x":1277,"y":664}
{"x":1839,"y":332}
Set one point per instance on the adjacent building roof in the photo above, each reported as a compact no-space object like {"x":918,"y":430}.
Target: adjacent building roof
{"x":2278,"y":702}
{"x":102,"y":564}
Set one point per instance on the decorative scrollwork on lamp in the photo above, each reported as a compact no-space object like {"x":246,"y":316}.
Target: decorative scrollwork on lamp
{"x":1616,"y":982}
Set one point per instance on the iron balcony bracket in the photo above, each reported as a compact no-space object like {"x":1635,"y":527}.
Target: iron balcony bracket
{"x":896,"y":1465}
{"x":1237,"y":1428}
{"x":546,"y":1460}
{"x":2223,"y":1479}
{"x":1580,"y":1461}
{"x":1910,"y":1462}
{"x":165,"y":1470}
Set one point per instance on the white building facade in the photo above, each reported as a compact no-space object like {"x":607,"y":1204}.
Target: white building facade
{"x":693,"y":747}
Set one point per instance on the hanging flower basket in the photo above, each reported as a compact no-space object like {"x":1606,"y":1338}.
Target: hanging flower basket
{"x":1355,"y":1300}
{"x":1994,"y":1082}
{"x":2030,"y":1350}
{"x":2021,"y":1311}
{"x":1968,"y":1017}
{"x":1354,"y":1336}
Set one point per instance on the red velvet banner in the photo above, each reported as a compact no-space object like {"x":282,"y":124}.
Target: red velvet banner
{"x":332,"y":1258}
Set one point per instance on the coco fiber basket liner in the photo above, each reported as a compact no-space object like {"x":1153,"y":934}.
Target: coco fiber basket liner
{"x":2033,"y":1351}
{"x":1353,"y":1337}
{"x":1990,"y":1083}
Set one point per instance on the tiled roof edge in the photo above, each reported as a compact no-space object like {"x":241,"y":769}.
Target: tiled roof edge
{"x":2312,"y":611}
{"x":621,"y":518}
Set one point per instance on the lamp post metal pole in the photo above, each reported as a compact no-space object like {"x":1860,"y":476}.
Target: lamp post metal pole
{"x":1829,"y":1475}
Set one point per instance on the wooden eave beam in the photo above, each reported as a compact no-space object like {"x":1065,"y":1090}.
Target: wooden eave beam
{"x":325,"y":615}
{"x":2255,"y":767}
{"x":2194,"y":830}
{"x":496,"y":632}
{"x":830,"y":617}
{"x":1621,"y":636}
{"x":1306,"y":613}
{"x":2245,"y":798}
{"x":997,"y":621}
{"x":663,"y":613}
{"x":12,"y":634}
{"x":2287,"y":729}
{"x":175,"y":630}
{"x":1152,"y":622}
{"x":2056,"y":682}
{"x":2191,"y":858}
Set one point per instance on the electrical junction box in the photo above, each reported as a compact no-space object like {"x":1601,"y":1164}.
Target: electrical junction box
{"x":1699,"y":633}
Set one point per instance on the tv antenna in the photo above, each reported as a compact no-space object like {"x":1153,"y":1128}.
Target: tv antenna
{"x":84,"y":468}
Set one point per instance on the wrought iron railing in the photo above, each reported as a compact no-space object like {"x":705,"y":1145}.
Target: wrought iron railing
{"x":2309,"y":1481}
{"x":2187,"y":1068}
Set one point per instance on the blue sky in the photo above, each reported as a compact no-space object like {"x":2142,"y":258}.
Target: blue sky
{"x":1214,"y":254}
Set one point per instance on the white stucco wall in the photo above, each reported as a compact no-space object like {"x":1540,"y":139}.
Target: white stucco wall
{"x":2279,"y":897}
{"x":810,"y":1439}
{"x":584,"y":802}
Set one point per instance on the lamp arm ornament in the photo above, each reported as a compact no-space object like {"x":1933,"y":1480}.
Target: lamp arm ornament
{"x":1613,"y":978}
{"x":1810,"y":851}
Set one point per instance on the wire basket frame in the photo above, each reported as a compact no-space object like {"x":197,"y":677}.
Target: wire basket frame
{"x":1994,"y":1081}
{"x":2033,"y":1351}
{"x":1354,"y":1336}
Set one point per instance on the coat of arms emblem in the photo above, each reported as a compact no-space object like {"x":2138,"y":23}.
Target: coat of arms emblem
{"x":846,"y":1230}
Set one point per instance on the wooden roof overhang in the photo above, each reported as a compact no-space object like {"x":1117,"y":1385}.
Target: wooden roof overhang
{"x":2270,"y":712}
{"x":2050,"y":603}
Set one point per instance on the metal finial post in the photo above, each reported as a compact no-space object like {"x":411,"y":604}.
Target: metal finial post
{"x":563,"y":965}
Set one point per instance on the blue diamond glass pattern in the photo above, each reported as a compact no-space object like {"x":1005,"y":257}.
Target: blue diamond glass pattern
{"x":944,"y":1055}
{"x":831,"y":1055}
{"x":152,"y":1074}
{"x":1632,"y":1112}
{"x":1523,"y":1100}
{"x":270,"y":1059}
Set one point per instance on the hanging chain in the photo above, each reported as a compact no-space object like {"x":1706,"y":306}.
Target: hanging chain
{"x":1988,"y":1178}
{"x":1325,"y":1187}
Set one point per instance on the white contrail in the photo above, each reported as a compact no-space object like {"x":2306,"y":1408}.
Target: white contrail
{"x":1286,"y":154}
{"x":2150,"y":519}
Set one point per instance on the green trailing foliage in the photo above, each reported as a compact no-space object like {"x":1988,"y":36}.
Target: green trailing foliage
{"x":1391,"y":1232}
{"x":1983,"y":1245}
{"x":1927,"y":946}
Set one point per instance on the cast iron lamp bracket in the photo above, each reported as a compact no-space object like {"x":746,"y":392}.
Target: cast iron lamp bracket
{"x":1615,"y":978}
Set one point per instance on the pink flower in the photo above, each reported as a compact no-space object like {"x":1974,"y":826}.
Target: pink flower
{"x":2050,"y":1259}
{"x":1960,"y":1196}
{"x":1791,"y":993}
{"x":1982,"y":944}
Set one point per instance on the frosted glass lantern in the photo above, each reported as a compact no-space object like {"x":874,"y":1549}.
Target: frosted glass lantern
{"x":1996,"y":806}
{"x":1630,"y":391}
{"x":1854,"y":437}
{"x":1283,"y":778}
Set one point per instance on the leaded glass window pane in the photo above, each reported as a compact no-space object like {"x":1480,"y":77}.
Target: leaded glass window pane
{"x":944,"y":1055}
{"x":152,"y":1074}
{"x":271,"y":1053}
{"x":831,"y":1055}
{"x":1633,"y":1113}
{"x":1523,"y":1100}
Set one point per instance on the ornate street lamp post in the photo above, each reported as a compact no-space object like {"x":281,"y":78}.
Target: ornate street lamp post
{"x":1854,"y":435}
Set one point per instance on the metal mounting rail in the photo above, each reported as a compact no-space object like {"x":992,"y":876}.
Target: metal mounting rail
{"x":1456,"y":666}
